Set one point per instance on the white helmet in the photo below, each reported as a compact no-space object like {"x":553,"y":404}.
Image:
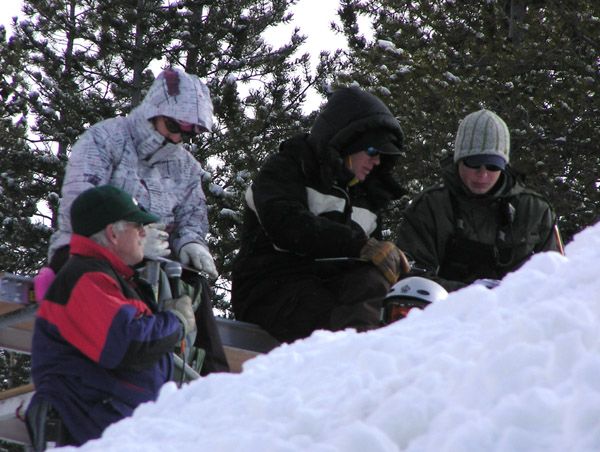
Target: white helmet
{"x":409,"y":293}
{"x":418,"y":287}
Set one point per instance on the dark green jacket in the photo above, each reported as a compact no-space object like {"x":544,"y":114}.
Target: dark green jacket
{"x":456,"y":237}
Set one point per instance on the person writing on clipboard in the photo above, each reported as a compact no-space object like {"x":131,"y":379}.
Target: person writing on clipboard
{"x":311,"y":254}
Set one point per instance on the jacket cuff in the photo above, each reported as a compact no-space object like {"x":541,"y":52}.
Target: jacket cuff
{"x":356,"y":246}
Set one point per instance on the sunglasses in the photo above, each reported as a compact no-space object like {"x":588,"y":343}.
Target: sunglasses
{"x":488,"y":167}
{"x":136,"y":225}
{"x":372,"y":152}
{"x":181,"y":127}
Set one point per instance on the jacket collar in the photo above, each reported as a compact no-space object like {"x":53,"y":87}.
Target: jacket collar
{"x":150,"y":145}
{"x":83,"y":246}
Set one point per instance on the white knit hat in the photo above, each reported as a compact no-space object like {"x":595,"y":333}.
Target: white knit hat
{"x":482,"y":133}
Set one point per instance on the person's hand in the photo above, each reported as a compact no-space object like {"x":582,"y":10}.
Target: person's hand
{"x":386,"y":256}
{"x":156,"y":242}
{"x":486,"y":282}
{"x":41,"y":282}
{"x":182,"y":308}
{"x":198,"y":256}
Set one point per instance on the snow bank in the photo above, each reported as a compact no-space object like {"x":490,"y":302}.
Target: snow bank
{"x":516,"y":368}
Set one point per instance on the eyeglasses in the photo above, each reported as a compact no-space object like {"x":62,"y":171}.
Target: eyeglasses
{"x":488,"y":167}
{"x":372,"y":152}
{"x":182,"y":127}
{"x":134,"y":225}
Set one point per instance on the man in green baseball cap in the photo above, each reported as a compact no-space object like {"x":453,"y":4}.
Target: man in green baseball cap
{"x":98,"y":334}
{"x":97,"y":207}
{"x":114,"y":219}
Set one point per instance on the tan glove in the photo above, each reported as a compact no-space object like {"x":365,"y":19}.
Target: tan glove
{"x":182,"y":308}
{"x":386,"y":256}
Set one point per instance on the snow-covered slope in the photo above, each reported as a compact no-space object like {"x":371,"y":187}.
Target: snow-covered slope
{"x":516,"y":368}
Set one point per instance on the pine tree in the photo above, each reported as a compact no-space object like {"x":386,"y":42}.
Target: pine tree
{"x":257,"y":92}
{"x":22,"y":234}
{"x":534,"y":63}
{"x":88,"y":60}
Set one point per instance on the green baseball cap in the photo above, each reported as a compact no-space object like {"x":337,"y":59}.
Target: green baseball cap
{"x":97,"y":207}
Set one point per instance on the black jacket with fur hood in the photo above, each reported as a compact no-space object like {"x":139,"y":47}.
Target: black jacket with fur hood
{"x":300,"y":206}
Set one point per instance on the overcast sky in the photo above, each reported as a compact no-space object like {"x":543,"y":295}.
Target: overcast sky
{"x":313,"y":17}
{"x":9,"y":9}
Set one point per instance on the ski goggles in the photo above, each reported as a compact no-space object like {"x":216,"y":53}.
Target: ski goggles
{"x":396,"y":309}
{"x":182,"y":127}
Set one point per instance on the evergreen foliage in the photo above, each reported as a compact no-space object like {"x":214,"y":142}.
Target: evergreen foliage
{"x":22,"y":238}
{"x":15,"y":371}
{"x":72,"y":63}
{"x":16,"y":368}
{"x":533,"y":63}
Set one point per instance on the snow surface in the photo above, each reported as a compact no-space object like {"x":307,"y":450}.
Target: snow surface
{"x":516,"y":368}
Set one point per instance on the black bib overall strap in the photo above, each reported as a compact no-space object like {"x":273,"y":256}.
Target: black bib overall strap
{"x":45,"y":427}
{"x":467,"y":260}
{"x":207,"y":336}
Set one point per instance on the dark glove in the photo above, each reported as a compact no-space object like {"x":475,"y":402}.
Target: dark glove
{"x":386,"y":256}
{"x":182,"y":308}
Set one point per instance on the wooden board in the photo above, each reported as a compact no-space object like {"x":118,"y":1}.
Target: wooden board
{"x":237,"y":356}
{"x":242,"y":341}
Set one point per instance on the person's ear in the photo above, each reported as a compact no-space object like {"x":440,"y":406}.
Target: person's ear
{"x":110,"y":233}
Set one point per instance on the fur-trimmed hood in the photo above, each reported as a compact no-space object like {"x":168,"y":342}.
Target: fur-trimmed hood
{"x":350,"y":112}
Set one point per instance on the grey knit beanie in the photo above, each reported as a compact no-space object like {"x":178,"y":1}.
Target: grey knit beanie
{"x":482,"y":133}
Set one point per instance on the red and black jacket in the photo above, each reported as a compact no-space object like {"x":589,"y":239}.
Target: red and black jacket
{"x":99,"y":349}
